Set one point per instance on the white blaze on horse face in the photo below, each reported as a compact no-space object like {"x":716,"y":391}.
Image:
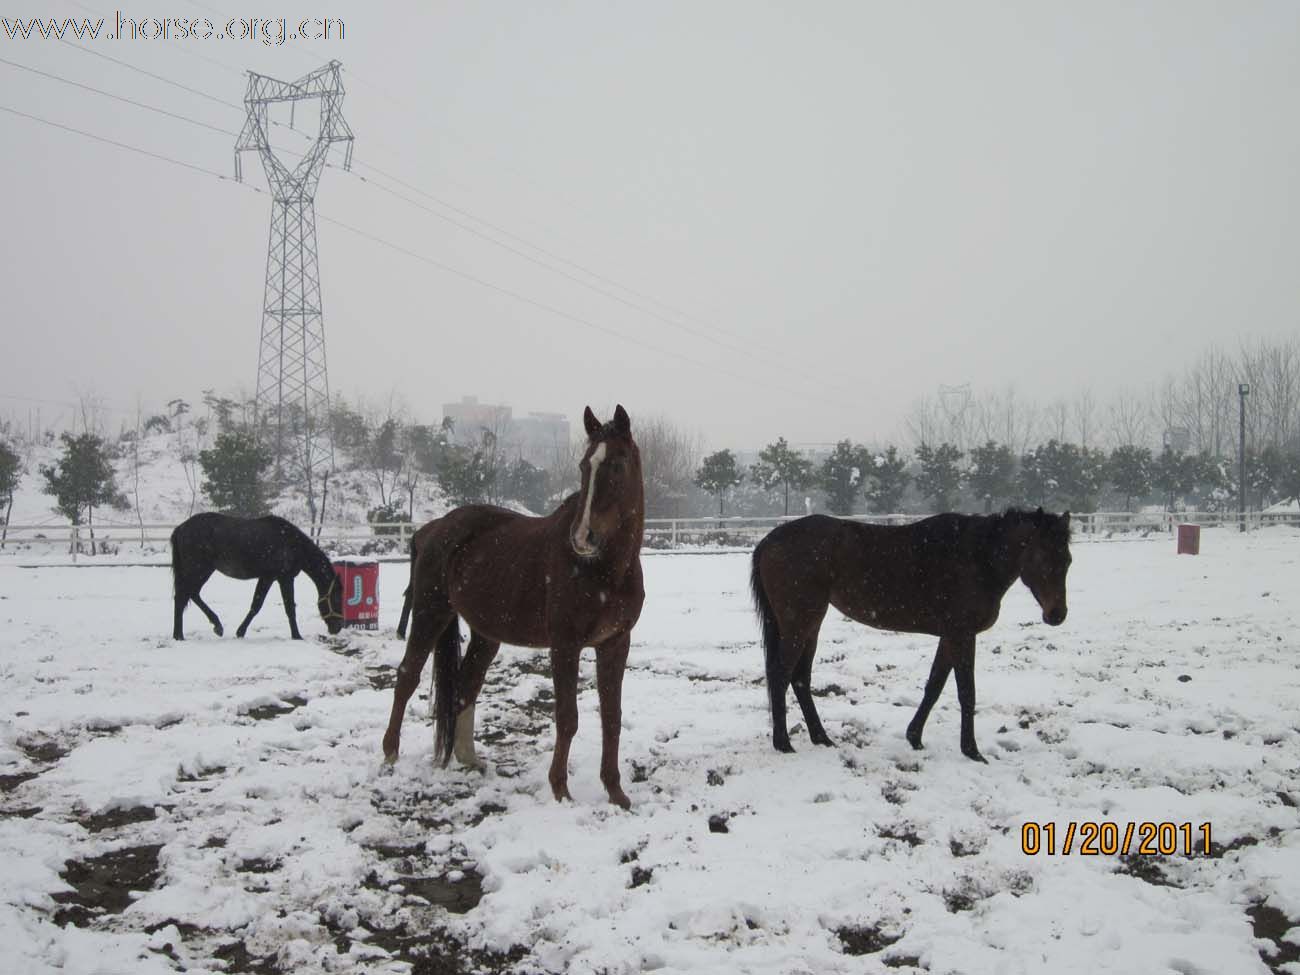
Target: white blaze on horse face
{"x":580,"y":536}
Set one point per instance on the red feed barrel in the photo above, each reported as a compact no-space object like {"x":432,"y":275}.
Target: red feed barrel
{"x":1189,"y":539}
{"x":359,"y":581}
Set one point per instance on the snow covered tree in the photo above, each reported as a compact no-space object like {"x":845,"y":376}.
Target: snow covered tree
{"x":527,"y":484}
{"x":888,"y":481}
{"x":779,"y":465}
{"x":1130,"y":469}
{"x":992,"y":472}
{"x":234,"y":474}
{"x":83,"y":480}
{"x":1032,"y":485}
{"x":11,"y":471}
{"x":843,"y":475}
{"x":469,"y":476}
{"x":718,"y":474}
{"x":939,"y":479}
{"x":1288,"y":479}
{"x":1174,"y":475}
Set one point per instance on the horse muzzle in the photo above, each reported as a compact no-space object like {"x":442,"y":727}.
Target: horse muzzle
{"x":586,"y":545}
{"x":1054,"y":616}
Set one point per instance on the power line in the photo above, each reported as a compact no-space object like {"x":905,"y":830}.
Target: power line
{"x":450,"y":269}
{"x":120,"y":145}
{"x":150,"y":74}
{"x":119,"y":98}
{"x":742,"y":349}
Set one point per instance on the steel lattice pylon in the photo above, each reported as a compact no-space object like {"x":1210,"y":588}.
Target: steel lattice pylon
{"x":292,"y":403}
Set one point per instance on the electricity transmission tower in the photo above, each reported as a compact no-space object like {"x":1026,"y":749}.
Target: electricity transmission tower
{"x":291,"y":409}
{"x":955,"y":400}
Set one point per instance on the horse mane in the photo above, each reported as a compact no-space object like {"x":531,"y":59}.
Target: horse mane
{"x":1051,"y":523}
{"x":316,"y":563}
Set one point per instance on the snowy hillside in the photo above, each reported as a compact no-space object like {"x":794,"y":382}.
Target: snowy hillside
{"x":169,"y":490}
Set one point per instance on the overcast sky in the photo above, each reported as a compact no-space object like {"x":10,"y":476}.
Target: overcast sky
{"x":813,"y":213}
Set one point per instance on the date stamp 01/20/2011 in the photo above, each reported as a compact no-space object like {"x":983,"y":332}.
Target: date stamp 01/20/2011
{"x":1090,"y":838}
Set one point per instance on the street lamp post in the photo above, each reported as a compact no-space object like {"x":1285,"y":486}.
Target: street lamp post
{"x":1243,"y":390}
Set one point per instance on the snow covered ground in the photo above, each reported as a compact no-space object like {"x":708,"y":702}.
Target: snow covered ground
{"x":237,"y":787}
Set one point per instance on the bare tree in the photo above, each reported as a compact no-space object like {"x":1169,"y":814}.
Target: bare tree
{"x":669,"y":457}
{"x":1083,"y":412}
{"x":135,"y":465}
{"x":1056,"y":416}
{"x":1273,"y":371}
{"x":1130,"y":420}
{"x":1004,"y":418}
{"x":925,"y":422}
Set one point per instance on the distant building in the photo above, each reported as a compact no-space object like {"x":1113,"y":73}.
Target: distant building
{"x":539,"y":438}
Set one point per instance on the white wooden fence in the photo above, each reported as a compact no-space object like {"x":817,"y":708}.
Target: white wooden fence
{"x":391,"y":539}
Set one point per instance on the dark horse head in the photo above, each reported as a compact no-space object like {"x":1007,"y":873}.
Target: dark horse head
{"x":1046,"y":560}
{"x":611,"y":503}
{"x":330,"y":603}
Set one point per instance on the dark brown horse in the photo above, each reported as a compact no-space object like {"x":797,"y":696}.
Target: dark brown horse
{"x":945,"y":575}
{"x":267,"y":549}
{"x":566,"y":581}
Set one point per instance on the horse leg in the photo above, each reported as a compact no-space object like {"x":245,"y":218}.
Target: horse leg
{"x":259,"y":597}
{"x":290,"y":607}
{"x":564,"y":677}
{"x":964,"y":670}
{"x":425,"y":629}
{"x":178,"y":631}
{"x":473,"y":669}
{"x":802,"y":684}
{"x":193,"y":596}
{"x":611,"y":661}
{"x":939,"y":671}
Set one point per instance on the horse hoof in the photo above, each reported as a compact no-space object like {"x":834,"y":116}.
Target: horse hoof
{"x":824,"y":740}
{"x":620,"y":799}
{"x":915,"y":741}
{"x":219,"y":630}
{"x":784,"y":746}
{"x":390,"y":758}
{"x":974,"y":755}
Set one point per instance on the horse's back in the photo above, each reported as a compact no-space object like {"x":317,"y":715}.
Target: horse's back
{"x":242,"y":548}
{"x":488,"y":564}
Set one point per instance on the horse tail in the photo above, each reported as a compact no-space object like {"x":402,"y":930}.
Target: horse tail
{"x":176,"y":559}
{"x":446,"y":668}
{"x":406,"y":596}
{"x":771,"y":636}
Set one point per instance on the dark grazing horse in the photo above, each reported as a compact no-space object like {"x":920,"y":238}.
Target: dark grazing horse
{"x":267,"y":549}
{"x":566,"y":581}
{"x":945,"y":575}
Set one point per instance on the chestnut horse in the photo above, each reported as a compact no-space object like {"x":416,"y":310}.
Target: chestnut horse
{"x":945,"y":576}
{"x":566,"y":581}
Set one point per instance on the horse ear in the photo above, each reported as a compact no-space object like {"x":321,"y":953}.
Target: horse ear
{"x":1038,"y":515}
{"x":1065,"y":519}
{"x":622,"y":423}
{"x":591,"y":423}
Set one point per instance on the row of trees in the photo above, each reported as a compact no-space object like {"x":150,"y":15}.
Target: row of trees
{"x":1055,"y":474}
{"x":1195,"y":410}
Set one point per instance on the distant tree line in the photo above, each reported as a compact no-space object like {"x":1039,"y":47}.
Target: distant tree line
{"x":941,"y":477}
